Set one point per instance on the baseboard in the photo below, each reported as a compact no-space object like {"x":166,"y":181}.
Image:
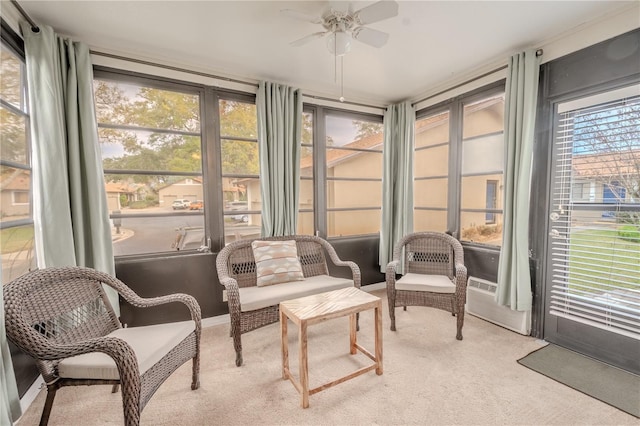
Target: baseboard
{"x":31,"y":394}
{"x":374,"y":287}
{"x":217,"y":320}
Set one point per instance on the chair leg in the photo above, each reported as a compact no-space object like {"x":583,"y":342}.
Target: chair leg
{"x":392,"y":311}
{"x":237,"y":345}
{"x":46,"y":411}
{"x":114,"y":389}
{"x":236,"y":334}
{"x":195,"y":377}
{"x":358,"y":321}
{"x":404,"y":308}
{"x":459,"y":323}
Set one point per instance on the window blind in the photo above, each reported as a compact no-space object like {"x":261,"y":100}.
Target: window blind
{"x":595,"y":217}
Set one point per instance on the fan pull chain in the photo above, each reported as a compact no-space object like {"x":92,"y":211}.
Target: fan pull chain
{"x":342,"y":78}
{"x":335,"y":60}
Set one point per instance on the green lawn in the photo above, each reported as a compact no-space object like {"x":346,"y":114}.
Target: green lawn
{"x":16,"y":239}
{"x":607,"y":255}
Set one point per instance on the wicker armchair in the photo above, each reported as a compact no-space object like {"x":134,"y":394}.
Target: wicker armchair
{"x":237,"y":273}
{"x":54,"y":314}
{"x":434,"y":275}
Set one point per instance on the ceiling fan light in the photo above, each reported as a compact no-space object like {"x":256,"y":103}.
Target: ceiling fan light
{"x":339,"y":43}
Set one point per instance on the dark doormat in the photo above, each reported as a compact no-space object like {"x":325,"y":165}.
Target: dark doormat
{"x":608,"y":384}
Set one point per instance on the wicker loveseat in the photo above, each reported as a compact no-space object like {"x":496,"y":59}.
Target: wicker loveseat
{"x":252,"y":306}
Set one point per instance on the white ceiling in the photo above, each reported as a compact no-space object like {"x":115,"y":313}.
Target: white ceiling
{"x":431,"y":42}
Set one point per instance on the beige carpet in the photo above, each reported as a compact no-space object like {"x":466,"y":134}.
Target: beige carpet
{"x":429,"y":378}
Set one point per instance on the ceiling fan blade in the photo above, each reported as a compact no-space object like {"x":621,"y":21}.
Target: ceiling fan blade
{"x":307,"y":39}
{"x":296,"y":14}
{"x":370,"y":36}
{"x":376,"y":12}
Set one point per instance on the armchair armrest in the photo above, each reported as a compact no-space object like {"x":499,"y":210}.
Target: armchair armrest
{"x":461,"y":281}
{"x":140,"y":302}
{"x":185,"y":299}
{"x":391,"y":271}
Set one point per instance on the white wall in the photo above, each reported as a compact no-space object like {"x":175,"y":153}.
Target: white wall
{"x":608,"y":26}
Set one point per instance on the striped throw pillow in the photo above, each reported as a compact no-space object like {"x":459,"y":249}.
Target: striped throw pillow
{"x":276,"y":262}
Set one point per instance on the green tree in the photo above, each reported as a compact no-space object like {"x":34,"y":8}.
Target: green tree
{"x":13,"y":140}
{"x":239,"y":120}
{"x":367,"y":128}
{"x":149,"y":108}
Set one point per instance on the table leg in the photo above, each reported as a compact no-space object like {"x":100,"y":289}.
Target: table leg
{"x":378,"y":338}
{"x":304,"y":367}
{"x":285,"y":344}
{"x":352,"y":334}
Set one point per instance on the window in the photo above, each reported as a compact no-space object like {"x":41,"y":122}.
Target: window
{"x":240,"y":169}
{"x":16,"y":220}
{"x":20,"y":197}
{"x":150,"y":138}
{"x":353,"y":175}
{"x":482,"y":170}
{"x":431,"y":172}
{"x":492,"y":201}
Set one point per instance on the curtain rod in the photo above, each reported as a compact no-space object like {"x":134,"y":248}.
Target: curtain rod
{"x":25,"y":15}
{"x":539,"y":52}
{"x":172,"y":68}
{"x":214,"y":76}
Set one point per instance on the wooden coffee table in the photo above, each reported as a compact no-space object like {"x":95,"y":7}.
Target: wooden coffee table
{"x":309,"y":310}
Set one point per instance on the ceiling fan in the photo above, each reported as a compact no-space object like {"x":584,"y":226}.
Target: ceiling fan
{"x":342,"y":24}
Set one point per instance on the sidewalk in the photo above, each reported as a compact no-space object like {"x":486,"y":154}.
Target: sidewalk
{"x":123,"y":235}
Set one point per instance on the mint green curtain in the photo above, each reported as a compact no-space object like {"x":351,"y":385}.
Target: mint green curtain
{"x":514,"y":280}
{"x":70,"y":203}
{"x":397,"y":178}
{"x":10,"y":409}
{"x":279,"y":110}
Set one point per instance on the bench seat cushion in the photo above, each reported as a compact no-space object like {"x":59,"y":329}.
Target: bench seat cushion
{"x":150,"y":344}
{"x":253,"y":298}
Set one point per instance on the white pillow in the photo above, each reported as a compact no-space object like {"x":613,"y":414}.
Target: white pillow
{"x":276,"y":262}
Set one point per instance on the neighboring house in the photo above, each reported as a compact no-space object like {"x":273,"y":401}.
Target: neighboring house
{"x":132,"y":192}
{"x":605,"y":178}
{"x":188,"y":188}
{"x":232,"y":189}
{"x":14,"y":194}
{"x":344,"y":163}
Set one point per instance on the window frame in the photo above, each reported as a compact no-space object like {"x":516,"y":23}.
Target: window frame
{"x":14,"y":44}
{"x":455,"y":107}
{"x":161,"y":83}
{"x":320,"y":170}
{"x":211,"y":141}
{"x":221,"y":95}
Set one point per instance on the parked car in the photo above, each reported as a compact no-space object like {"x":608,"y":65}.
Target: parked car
{"x":239,"y":205}
{"x":196,"y":205}
{"x":180,"y":204}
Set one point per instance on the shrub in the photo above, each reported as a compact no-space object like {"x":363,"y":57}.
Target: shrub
{"x":138,"y":205}
{"x":629,"y":233}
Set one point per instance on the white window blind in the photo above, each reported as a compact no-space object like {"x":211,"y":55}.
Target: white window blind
{"x":595,"y":232}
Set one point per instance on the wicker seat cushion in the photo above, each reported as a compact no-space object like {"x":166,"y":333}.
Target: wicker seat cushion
{"x":261,"y":297}
{"x":150,"y":344}
{"x":424,"y":282}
